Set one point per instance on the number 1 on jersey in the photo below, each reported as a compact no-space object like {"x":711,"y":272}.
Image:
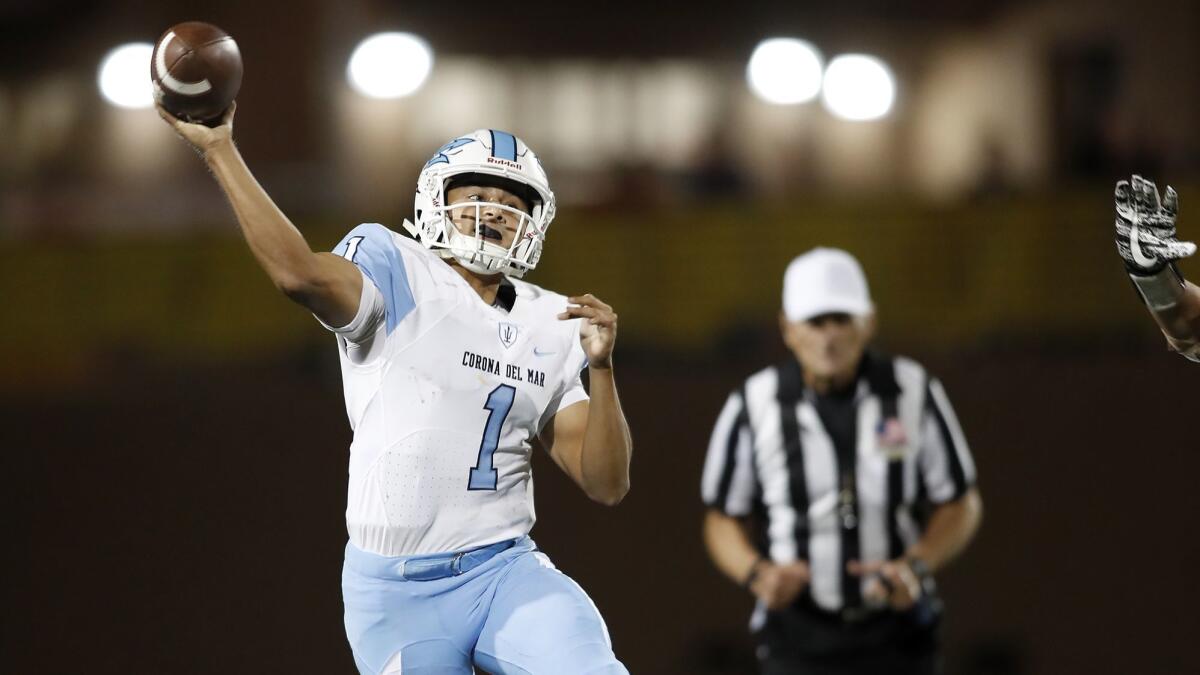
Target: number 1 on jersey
{"x":352,"y":248}
{"x":499,"y":402}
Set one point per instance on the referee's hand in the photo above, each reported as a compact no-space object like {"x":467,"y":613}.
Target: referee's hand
{"x":891,"y":583}
{"x":777,"y":586}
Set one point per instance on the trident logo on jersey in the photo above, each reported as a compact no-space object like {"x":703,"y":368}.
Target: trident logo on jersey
{"x":508,"y":334}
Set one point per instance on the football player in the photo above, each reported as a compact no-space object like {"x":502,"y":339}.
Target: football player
{"x":1147,"y":242}
{"x":454,"y":370}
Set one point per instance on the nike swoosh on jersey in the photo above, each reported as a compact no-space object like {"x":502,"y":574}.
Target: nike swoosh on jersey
{"x":1135,"y":248}
{"x":538,"y":352}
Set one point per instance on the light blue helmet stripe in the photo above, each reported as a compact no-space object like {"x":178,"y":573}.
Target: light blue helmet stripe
{"x":504,"y":145}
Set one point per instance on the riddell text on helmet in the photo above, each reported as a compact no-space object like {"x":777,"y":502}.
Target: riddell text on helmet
{"x":505,"y":162}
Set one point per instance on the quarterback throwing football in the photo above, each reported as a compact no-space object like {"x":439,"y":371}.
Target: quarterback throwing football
{"x":454,"y":369}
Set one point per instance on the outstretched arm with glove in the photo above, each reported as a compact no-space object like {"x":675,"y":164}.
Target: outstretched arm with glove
{"x":1147,"y":242}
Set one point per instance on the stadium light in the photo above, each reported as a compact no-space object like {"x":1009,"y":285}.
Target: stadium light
{"x":858,"y":87}
{"x":784,"y":71}
{"x":390,"y":65}
{"x":124,"y":77}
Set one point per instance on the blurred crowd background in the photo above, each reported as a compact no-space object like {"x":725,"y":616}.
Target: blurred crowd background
{"x":174,"y":440}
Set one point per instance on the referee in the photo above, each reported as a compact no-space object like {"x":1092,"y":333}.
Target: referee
{"x":838,"y":483}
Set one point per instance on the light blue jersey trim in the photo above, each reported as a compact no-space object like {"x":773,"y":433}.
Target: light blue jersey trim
{"x":378,"y":257}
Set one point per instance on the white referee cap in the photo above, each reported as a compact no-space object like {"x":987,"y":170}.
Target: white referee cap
{"x":825,"y":281}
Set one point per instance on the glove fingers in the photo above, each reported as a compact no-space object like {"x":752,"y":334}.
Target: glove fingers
{"x":1123,"y":198}
{"x":1174,"y":250}
{"x":1121,"y":193}
{"x":1171,"y":202}
{"x":1150,"y":197}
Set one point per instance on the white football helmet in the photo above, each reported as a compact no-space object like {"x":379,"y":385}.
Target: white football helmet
{"x":489,"y":158}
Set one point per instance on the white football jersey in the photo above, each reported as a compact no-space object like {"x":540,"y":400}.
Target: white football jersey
{"x":445,"y":394}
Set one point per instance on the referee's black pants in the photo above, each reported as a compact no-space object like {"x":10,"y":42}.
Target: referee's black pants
{"x":803,"y":640}
{"x":885,"y":662}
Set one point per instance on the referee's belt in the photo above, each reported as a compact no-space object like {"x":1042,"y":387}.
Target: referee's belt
{"x":852,"y":615}
{"x":450,"y":564}
{"x":925,"y":610}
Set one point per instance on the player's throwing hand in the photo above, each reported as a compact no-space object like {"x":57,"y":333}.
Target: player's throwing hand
{"x":598,"y":331}
{"x":1145,"y":226}
{"x":203,"y":138}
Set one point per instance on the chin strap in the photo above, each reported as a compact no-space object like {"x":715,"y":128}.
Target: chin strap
{"x":410,"y":228}
{"x":460,"y":247}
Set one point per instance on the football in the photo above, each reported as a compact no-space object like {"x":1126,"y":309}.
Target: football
{"x":196,"y":69}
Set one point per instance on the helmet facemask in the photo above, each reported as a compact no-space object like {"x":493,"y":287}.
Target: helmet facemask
{"x":479,"y":253}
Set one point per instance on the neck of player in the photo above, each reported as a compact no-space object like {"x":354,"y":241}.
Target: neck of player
{"x":486,"y":285}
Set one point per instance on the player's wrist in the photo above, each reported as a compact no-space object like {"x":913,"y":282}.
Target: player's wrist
{"x":1160,"y":290}
{"x":1134,"y":269}
{"x":218,"y":149}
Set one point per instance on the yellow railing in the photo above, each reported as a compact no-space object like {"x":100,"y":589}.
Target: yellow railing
{"x":678,"y":278}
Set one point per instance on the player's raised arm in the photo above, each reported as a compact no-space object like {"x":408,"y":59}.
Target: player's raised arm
{"x":1147,"y":242}
{"x":328,"y":285}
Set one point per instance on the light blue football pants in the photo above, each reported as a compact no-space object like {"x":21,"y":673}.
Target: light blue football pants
{"x":504,"y":608}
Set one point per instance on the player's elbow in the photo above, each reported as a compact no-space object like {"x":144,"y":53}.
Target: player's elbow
{"x":297,"y":289}
{"x":301,"y":286}
{"x":612,"y":494}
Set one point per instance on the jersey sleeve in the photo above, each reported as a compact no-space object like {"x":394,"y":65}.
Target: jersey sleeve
{"x":359,"y":335}
{"x":947,"y":468}
{"x":371,"y":248}
{"x":728,"y":483}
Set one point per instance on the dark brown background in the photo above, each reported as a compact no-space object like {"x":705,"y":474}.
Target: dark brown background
{"x":173,"y":438}
{"x":190,"y":522}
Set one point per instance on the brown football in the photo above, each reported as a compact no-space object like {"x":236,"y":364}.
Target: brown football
{"x":197,"y":71}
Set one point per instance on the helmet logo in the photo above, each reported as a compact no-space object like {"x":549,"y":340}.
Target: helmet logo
{"x":440,"y":156}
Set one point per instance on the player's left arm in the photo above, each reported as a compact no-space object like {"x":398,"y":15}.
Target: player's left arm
{"x":590,"y":440}
{"x":1148,"y":244}
{"x":1180,"y":321}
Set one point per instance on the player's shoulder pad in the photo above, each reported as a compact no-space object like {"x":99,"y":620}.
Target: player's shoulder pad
{"x":376,"y":251}
{"x":546,"y":304}
{"x":367,"y":238}
{"x":534,"y":293}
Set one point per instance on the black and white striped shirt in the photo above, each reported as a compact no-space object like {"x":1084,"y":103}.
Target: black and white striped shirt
{"x":859,"y":493}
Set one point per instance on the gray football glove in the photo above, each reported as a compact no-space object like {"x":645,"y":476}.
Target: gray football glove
{"x":1146,"y":227}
